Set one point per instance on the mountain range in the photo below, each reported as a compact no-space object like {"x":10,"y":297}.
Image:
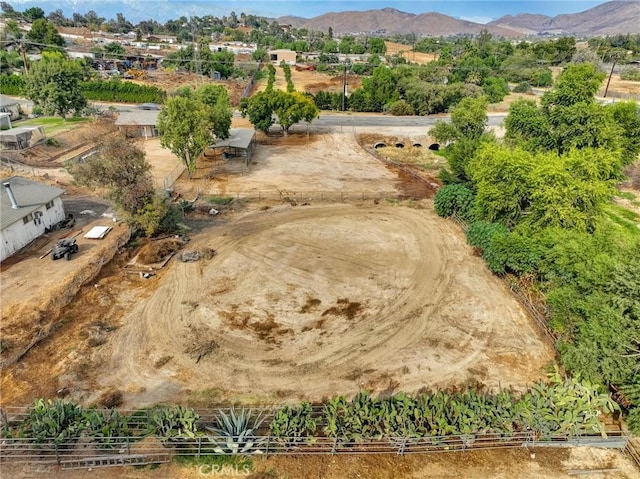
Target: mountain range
{"x":606,"y":19}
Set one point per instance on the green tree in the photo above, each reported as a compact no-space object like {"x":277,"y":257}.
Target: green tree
{"x":495,"y":89}
{"x":377,"y":46}
{"x":32,"y":14}
{"x":380,"y":89}
{"x":44,"y":35}
{"x":186,"y":129}
{"x":469,"y":117}
{"x":53,"y":85}
{"x":259,"y":110}
{"x":114,"y":49}
{"x":218,"y":105}
{"x":502,"y":180}
{"x":292,"y":108}
{"x":119,"y":166}
{"x":576,"y":84}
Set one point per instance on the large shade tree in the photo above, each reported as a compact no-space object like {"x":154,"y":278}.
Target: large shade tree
{"x":186,"y":129}
{"x":53,"y":85}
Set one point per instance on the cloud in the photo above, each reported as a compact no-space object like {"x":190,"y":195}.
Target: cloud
{"x":478,"y":19}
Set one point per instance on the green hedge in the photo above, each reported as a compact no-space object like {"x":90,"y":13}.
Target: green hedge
{"x":12,"y":85}
{"x":120,"y":91}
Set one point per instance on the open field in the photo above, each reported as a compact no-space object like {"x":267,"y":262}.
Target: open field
{"x":388,"y":295}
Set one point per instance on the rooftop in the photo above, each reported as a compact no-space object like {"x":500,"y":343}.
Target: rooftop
{"x":138,"y":117}
{"x":238,"y":138}
{"x":30,"y":195}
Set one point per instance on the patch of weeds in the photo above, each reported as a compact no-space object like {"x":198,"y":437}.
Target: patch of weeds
{"x":6,"y":345}
{"x":220,"y":200}
{"x":392,"y":201}
{"x":627,"y":195}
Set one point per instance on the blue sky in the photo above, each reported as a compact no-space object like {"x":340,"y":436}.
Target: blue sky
{"x":162,"y":10}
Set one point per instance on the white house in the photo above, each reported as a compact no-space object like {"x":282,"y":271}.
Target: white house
{"x":26,"y":209}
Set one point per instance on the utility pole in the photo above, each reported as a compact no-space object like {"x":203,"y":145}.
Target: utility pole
{"x":344,"y":87}
{"x":609,"y":80}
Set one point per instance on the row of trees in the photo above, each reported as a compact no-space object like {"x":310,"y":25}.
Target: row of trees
{"x":539,"y":207}
{"x":287,"y":108}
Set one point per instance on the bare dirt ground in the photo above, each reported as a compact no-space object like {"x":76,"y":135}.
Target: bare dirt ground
{"x":163,"y":162}
{"x":386,"y":295}
{"x":325,"y":162}
{"x":408,"y":54}
{"x":504,"y":464}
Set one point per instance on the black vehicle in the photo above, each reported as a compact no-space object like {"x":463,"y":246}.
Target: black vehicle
{"x":64,"y":249}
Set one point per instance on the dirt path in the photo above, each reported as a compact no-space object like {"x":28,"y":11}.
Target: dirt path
{"x":500,"y":464}
{"x":312,"y":301}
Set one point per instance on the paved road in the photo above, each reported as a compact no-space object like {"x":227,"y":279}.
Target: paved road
{"x":376,"y":120}
{"x":334,"y":119}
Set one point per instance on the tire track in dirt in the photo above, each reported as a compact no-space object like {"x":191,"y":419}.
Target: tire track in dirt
{"x":275,"y":301}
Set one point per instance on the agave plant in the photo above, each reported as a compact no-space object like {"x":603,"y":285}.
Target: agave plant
{"x":235,"y":432}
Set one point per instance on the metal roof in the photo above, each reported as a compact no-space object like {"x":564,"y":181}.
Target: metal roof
{"x":138,"y":117}
{"x":30,"y":195}
{"x":16,"y":132}
{"x":7,"y":101}
{"x":238,"y":138}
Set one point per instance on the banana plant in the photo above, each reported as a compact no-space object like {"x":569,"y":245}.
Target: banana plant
{"x":234,"y":432}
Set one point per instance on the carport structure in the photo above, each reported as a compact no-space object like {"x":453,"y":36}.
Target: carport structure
{"x":241,"y":143}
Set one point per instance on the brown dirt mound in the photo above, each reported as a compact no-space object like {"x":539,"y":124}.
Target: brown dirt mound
{"x":155,"y":251}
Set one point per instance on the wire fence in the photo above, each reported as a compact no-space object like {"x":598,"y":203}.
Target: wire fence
{"x":541,"y":318}
{"x":96,"y":452}
{"x":303,"y":197}
{"x":170,"y":179}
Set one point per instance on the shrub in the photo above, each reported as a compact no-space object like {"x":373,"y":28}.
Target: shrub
{"x":522,"y":87}
{"x":401,"y":108}
{"x":454,"y":199}
{"x":481,"y":235}
{"x":12,"y":84}
{"x":116,"y":90}
{"x":495,"y":89}
{"x":630,"y":74}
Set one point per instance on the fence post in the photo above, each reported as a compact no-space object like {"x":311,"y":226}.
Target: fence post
{"x":266,"y":454}
{"x":55,"y":446}
{"x":199,"y":446}
{"x":335,"y":444}
{"x":128,"y":446}
{"x":403,"y":445}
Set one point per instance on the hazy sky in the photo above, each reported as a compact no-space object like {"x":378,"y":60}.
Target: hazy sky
{"x":162,"y":10}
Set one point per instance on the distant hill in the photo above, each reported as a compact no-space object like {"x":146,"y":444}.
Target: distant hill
{"x":390,"y":21}
{"x":605,"y":19}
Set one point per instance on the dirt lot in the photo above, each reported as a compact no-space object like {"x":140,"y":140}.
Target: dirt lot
{"x":387,"y":294}
{"x":326,"y":162}
{"x":503,"y":464}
